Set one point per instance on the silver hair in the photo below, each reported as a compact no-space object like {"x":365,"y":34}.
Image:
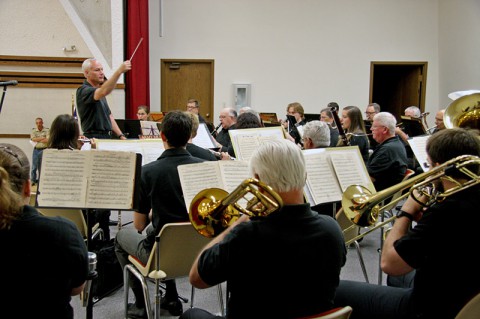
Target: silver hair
{"x":280,"y":164}
{"x":318,"y":132}
{"x":386,"y":119}
{"x":416,"y":111}
{"x":248,"y":109}
{"x":87,"y":65}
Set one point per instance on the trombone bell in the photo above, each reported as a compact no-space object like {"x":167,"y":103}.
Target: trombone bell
{"x":213,"y":209}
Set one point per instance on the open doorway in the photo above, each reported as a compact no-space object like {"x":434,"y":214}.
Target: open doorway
{"x":397,"y":85}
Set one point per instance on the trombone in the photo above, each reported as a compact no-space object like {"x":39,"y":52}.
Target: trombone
{"x":213,"y":209}
{"x":362,"y":207}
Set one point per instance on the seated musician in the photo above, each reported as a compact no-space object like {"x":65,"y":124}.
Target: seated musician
{"x":228,"y":118}
{"x":253,"y":255}
{"x":370,"y":111}
{"x":47,"y":254}
{"x":388,"y":162}
{"x":354,"y":127}
{"x":446,"y":278}
{"x":327,"y":116}
{"x":196,"y":150}
{"x":244,"y":121}
{"x":161,"y":193}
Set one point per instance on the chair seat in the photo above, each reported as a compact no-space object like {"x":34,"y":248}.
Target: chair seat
{"x":144,"y":269}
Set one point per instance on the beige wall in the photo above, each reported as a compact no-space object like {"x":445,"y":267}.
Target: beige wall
{"x":311,"y":51}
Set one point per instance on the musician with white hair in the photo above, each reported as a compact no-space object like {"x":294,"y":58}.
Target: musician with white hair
{"x":252,"y":255}
{"x":388,"y":162}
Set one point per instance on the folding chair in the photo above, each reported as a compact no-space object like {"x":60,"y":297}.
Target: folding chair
{"x":471,"y":310}
{"x":76,"y":216}
{"x":337,"y":313}
{"x":176,"y":248}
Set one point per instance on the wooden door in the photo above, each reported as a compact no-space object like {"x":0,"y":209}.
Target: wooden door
{"x":182,"y":80}
{"x":398,"y":85}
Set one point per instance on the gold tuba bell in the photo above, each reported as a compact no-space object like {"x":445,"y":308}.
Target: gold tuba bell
{"x":464,"y":112}
{"x":213,"y":209}
{"x":362,"y":207}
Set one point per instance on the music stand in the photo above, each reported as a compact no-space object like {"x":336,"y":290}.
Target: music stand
{"x":311,"y":117}
{"x":131,"y":128}
{"x":269,"y":119}
{"x":413,"y":126}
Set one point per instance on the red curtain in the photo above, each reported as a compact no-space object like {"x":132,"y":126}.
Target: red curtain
{"x":137,"y":80}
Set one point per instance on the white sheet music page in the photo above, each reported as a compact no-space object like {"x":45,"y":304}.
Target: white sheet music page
{"x":246,"y":141}
{"x":233,"y":173}
{"x":197,"y":177}
{"x":349,"y":167}
{"x":419,"y":148}
{"x":63,"y":181}
{"x":226,"y":175}
{"x":204,"y":138}
{"x":322,"y":184}
{"x":151,"y":149}
{"x":87,"y":179}
{"x":112,"y":179}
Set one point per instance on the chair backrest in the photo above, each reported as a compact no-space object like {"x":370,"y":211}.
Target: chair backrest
{"x":471,"y":310}
{"x":75,"y":215}
{"x":337,"y":313}
{"x":178,"y":247}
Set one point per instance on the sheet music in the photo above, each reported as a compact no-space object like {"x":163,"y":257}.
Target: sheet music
{"x":204,"y":138}
{"x":151,"y":149}
{"x":63,"y":181}
{"x":246,"y":141}
{"x":112,"y":180}
{"x":322,"y":184}
{"x":87,"y":179}
{"x":226,"y":175}
{"x":149,"y":128}
{"x":419,"y":148}
{"x":350,"y":169}
{"x":233,"y":173}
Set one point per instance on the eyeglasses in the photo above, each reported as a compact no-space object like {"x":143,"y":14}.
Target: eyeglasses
{"x":370,"y":113}
{"x":192,"y":107}
{"x":141,"y":113}
{"x":375,"y":127}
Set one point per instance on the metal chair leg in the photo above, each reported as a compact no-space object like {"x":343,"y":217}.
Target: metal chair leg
{"x":360,"y":257}
{"x":146,"y":295}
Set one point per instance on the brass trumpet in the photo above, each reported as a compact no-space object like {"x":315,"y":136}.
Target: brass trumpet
{"x":213,"y":209}
{"x":362,"y":207}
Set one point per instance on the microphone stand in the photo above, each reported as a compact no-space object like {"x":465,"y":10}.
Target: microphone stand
{"x":3,"y":97}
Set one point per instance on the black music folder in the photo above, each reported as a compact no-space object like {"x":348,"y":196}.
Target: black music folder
{"x":311,"y":117}
{"x":412,"y":126}
{"x":131,"y":128}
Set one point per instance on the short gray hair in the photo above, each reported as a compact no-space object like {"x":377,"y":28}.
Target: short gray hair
{"x":318,"y":132}
{"x":416,"y":111}
{"x":386,"y":119}
{"x":280,"y":164}
{"x":87,"y":64}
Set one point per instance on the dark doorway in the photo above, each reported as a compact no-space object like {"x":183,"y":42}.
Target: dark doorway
{"x":398,"y":85}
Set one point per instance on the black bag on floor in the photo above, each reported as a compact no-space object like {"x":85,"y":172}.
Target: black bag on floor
{"x":110,"y":275}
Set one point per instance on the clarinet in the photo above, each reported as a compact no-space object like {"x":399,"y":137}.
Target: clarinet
{"x":334,"y":108}
{"x":214,"y":132}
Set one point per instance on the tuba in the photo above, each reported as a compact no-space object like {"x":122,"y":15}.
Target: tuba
{"x":362,"y":207}
{"x":464,"y":112}
{"x":213,"y":209}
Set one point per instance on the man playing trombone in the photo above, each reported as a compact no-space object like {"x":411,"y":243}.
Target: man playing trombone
{"x":446,"y":276}
{"x":254,"y":256}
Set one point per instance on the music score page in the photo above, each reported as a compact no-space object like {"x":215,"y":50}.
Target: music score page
{"x":226,"y":175}
{"x":87,"y":179}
